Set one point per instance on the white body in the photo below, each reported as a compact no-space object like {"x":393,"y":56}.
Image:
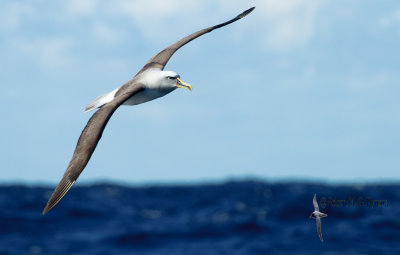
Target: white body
{"x":156,"y":85}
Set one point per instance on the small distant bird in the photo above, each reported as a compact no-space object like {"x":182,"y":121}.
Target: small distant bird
{"x":317,"y":215}
{"x":150,"y":82}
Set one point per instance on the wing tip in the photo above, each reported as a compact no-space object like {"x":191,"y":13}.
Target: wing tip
{"x":246,"y":12}
{"x":60,"y":191}
{"x":45,"y":210}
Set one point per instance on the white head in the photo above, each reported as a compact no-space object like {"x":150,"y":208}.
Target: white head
{"x":157,"y":79}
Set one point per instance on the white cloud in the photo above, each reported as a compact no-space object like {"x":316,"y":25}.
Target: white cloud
{"x":157,"y":19}
{"x":79,"y":7}
{"x":282,"y":25}
{"x":106,"y":33}
{"x":288,"y":24}
{"x":391,"y":19}
{"x":49,"y":52}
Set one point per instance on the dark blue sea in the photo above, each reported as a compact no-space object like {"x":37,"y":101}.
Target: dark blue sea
{"x":237,"y":217}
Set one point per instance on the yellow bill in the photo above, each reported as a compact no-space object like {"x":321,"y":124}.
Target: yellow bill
{"x":182,"y":84}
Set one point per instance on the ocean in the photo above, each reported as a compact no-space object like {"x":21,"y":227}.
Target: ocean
{"x":236,"y":217}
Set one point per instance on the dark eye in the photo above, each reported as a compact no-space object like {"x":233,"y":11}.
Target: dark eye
{"x":170,"y":78}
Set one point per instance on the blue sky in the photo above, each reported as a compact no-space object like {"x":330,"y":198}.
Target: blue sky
{"x":298,"y":89}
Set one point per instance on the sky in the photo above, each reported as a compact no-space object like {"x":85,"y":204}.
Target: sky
{"x":301,"y":89}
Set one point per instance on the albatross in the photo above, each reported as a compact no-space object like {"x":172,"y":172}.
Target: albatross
{"x":317,"y":215}
{"x":149,"y":83}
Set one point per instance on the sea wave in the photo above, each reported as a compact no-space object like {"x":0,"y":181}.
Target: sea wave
{"x":238,"y":217}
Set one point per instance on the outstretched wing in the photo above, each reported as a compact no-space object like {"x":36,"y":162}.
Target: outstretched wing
{"x":319,"y":228}
{"x":87,"y":143}
{"x":94,"y":128}
{"x":316,"y":208}
{"x":161,"y":59}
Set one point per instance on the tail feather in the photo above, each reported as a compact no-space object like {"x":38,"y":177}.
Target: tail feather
{"x":101,"y":100}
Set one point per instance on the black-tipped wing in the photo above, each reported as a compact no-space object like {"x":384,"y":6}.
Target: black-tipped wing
{"x":87,"y":143}
{"x":161,"y":59}
{"x":316,"y":208}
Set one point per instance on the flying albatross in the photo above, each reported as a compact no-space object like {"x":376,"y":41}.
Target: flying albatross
{"x":317,"y":215}
{"x":149,"y":83}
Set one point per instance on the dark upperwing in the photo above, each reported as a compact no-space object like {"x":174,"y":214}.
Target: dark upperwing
{"x":93,"y":130}
{"x":161,"y":59}
{"x":87,"y":143}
